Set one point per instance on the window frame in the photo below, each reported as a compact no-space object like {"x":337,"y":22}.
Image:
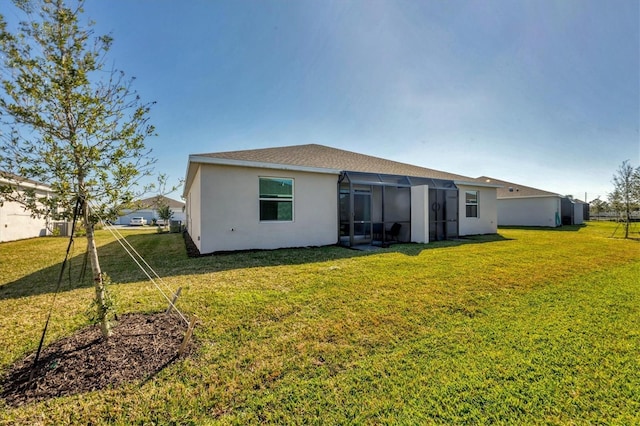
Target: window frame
{"x":475,"y":204}
{"x":276,"y":199}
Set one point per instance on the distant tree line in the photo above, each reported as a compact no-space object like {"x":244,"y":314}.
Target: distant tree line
{"x":600,"y":209}
{"x":623,"y":203}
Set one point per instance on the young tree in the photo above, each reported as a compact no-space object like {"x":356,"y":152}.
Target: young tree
{"x":598,"y":206}
{"x":165,"y":213}
{"x":161,"y":203}
{"x":68,"y":121}
{"x":626,"y":192}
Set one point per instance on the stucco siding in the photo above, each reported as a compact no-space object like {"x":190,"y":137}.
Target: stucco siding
{"x":230,"y":210}
{"x":17,"y":224}
{"x":149,"y":215}
{"x":420,"y":214}
{"x":578,"y":213}
{"x":194,"y":223}
{"x":534,"y":211}
{"x":487,"y":220}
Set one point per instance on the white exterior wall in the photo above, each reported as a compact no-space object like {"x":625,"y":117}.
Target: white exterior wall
{"x":578,"y":213}
{"x":229,"y":213}
{"x":178,"y":214}
{"x":194,"y":214}
{"x":531,"y":211}
{"x":127,"y":214}
{"x":487,"y":220}
{"x":420,"y":214}
{"x":149,"y":215}
{"x":17,"y":224}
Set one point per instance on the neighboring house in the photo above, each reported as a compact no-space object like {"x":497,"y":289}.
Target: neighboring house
{"x":520,"y":205}
{"x":314,"y":195}
{"x":586,"y":210}
{"x":573,"y":211}
{"x":147,"y":209}
{"x":16,"y":223}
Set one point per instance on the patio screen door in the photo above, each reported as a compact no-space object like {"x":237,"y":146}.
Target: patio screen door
{"x":362,"y":217}
{"x":443,"y":216}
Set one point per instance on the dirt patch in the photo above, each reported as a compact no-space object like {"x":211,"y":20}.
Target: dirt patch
{"x":140,"y":347}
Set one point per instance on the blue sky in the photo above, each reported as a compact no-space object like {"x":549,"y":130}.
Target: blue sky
{"x":541,"y":93}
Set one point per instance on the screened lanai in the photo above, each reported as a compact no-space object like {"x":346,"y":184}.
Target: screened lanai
{"x":376,"y":208}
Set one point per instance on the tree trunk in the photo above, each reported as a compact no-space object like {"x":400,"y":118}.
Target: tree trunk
{"x":627,"y":222}
{"x":627,"y":214}
{"x":101,"y":304}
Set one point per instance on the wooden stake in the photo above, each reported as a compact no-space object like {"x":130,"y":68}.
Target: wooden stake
{"x":173,"y":301}
{"x":187,"y":335}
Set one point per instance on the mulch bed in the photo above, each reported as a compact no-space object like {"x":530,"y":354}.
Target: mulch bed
{"x":141,"y":346}
{"x":192,"y":249}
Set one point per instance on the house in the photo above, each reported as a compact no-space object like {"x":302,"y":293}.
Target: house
{"x":520,"y":205}
{"x":314,"y":195}
{"x":146,"y":209}
{"x":586,"y":210}
{"x":573,"y":211}
{"x":17,"y":223}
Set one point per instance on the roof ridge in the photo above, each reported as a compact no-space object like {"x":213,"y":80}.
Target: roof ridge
{"x":323,"y":156}
{"x":149,"y":201}
{"x":508,"y":188}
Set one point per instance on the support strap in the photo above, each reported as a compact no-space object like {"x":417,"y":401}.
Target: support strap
{"x":76,"y":213}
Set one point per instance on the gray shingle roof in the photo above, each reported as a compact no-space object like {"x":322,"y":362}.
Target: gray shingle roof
{"x":151,"y":202}
{"x":514,"y":190}
{"x":320,"y":156}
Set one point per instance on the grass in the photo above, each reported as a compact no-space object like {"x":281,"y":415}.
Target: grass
{"x":531,"y":326}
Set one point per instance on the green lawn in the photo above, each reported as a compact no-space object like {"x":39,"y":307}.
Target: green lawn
{"x":530,"y":326}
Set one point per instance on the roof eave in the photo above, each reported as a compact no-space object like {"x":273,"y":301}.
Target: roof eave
{"x":480,"y":184}
{"x":517,"y":197}
{"x":200,"y":159}
{"x":19,"y":184}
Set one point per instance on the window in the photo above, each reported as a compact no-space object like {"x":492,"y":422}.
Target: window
{"x":276,"y":199}
{"x":471,"y":203}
